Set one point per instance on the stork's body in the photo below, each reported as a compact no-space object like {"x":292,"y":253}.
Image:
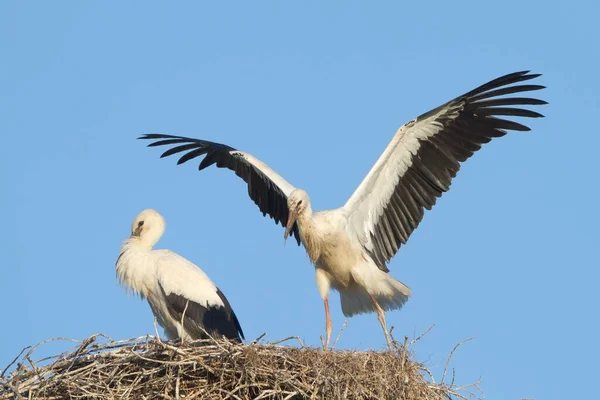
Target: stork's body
{"x":351,"y":246}
{"x":185,"y":302}
{"x":342,"y":264}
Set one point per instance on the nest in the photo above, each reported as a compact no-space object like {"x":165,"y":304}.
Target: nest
{"x":149,"y":368}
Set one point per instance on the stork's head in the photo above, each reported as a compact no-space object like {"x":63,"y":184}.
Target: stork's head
{"x":298,"y":203}
{"x":148,"y":227}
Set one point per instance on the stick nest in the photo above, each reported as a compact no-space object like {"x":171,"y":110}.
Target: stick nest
{"x":148,"y":368}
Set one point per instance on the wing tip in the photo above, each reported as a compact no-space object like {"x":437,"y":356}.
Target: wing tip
{"x":154,"y":136}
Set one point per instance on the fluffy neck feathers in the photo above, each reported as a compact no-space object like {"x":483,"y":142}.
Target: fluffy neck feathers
{"x":135,"y":266}
{"x":309,"y":234}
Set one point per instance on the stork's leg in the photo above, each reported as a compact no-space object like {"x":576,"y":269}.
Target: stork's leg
{"x":328,"y":325}
{"x":323,"y":284}
{"x":381,"y":316}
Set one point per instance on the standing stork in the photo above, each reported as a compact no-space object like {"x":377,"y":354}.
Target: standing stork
{"x":350,"y":246}
{"x":185,"y":302}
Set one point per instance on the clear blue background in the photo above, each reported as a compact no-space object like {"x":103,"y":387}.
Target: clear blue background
{"x":316,"y":90}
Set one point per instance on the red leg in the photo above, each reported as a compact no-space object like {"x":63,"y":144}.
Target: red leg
{"x":328,"y":325}
{"x":381,"y":316}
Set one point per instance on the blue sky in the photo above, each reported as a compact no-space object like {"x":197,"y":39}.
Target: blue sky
{"x":316,"y":90}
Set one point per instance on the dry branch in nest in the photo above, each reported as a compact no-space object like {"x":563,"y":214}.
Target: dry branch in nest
{"x":148,"y":368}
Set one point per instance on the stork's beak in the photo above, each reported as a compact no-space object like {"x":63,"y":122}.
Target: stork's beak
{"x":137,"y":231}
{"x":290,"y":223}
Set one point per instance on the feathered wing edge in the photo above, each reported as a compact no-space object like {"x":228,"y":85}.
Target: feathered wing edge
{"x":266,"y":188}
{"x":424,"y":155}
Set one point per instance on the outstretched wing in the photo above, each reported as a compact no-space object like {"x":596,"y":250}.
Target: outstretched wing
{"x":265,"y":186}
{"x":424,"y":155}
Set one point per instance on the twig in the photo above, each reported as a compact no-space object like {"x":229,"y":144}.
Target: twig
{"x":258,"y":339}
{"x":421,"y":335}
{"x":298,"y":338}
{"x":339,"y":334}
{"x":13,"y":361}
{"x":450,"y":357}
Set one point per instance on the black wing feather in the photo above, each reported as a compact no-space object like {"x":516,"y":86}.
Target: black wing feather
{"x":438,"y":158}
{"x":269,"y":198}
{"x":217,"y":321}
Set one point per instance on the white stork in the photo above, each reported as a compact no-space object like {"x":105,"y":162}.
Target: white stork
{"x":185,"y":302}
{"x":350,"y":246}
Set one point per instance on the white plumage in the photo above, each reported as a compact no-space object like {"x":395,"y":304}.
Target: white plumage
{"x":185,"y":302}
{"x":350,"y":246}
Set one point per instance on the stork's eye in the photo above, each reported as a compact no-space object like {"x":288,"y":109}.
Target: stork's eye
{"x":300,"y":202}
{"x":140,"y":224}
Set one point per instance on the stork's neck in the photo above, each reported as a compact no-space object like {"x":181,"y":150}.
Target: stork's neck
{"x":310,"y":234}
{"x":134,"y":266}
{"x":150,"y":237}
{"x":137,"y":244}
{"x":145,"y":242}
